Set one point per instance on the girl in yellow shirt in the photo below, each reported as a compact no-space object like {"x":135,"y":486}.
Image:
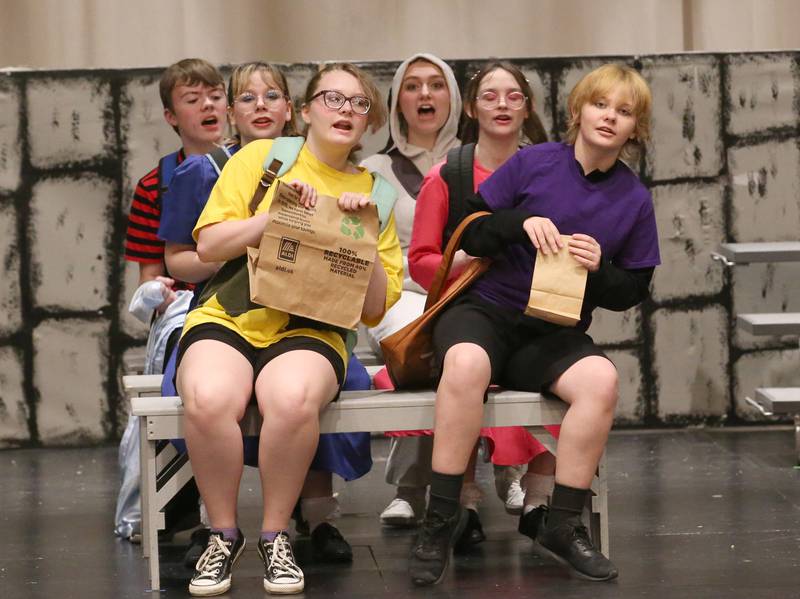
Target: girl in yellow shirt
{"x":232,"y":350}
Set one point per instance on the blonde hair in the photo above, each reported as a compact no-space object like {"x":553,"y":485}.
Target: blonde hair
{"x":240,"y":77}
{"x":599,"y":83}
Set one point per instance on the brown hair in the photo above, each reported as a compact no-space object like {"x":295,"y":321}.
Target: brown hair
{"x":532,"y":127}
{"x":376,"y":117}
{"x":598,"y":84}
{"x":240,"y":77}
{"x":189,"y":71}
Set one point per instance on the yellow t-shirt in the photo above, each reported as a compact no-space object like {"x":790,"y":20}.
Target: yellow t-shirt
{"x":229,"y":200}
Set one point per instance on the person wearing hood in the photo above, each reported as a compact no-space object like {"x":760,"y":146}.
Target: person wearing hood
{"x":424,"y":110}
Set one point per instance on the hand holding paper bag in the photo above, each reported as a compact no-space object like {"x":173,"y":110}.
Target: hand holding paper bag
{"x":557,"y":288}
{"x":314,"y":262}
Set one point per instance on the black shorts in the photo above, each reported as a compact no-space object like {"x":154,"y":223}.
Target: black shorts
{"x":526,"y":353}
{"x":260,"y":356}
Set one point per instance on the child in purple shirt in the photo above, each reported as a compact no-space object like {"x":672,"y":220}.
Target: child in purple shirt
{"x":583,"y":189}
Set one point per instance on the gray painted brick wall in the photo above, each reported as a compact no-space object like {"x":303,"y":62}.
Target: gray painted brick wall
{"x":723,"y":166}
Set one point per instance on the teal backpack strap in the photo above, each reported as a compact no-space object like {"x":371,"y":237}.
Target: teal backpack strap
{"x":285,"y":150}
{"x":281,"y":157}
{"x":350,"y":341}
{"x":384,"y":195}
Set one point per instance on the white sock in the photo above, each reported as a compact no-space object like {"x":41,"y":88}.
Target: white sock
{"x":204,"y":519}
{"x":316,"y":510}
{"x":538,"y":489}
{"x":471,"y":496}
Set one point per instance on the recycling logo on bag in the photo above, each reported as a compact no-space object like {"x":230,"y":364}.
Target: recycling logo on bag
{"x":352,"y":227}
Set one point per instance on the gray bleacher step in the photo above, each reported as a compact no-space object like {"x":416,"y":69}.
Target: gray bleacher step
{"x":779,"y":323}
{"x":766,"y":251}
{"x":779,"y":400}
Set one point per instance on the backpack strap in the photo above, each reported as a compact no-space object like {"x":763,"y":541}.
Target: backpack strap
{"x":384,"y":195}
{"x":281,"y":157}
{"x":406,"y":172}
{"x":459,"y":175}
{"x":218,"y":158}
{"x":166,"y":168}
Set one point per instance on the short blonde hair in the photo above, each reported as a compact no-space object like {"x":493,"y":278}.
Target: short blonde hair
{"x":240,"y":77}
{"x":598,"y":84}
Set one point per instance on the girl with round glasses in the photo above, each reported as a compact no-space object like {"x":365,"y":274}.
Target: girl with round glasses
{"x":424,"y":106}
{"x":232,"y":350}
{"x":499,"y":116}
{"x":579,"y":188}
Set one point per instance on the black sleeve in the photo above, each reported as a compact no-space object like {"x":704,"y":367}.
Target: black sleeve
{"x":489,"y":235}
{"x":616,"y":288}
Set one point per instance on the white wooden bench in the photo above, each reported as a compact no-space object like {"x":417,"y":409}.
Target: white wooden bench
{"x":776,"y":400}
{"x":780,"y":401}
{"x":777,"y":323}
{"x":161,"y":418}
{"x":732,"y":254}
{"x":133,"y":361}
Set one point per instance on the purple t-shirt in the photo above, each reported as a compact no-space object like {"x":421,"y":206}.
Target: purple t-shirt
{"x":545,"y":180}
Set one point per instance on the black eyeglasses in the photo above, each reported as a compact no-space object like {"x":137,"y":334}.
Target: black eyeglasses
{"x":335,"y":100}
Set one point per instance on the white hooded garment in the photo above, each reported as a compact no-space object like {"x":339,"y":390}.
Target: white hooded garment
{"x":423,"y":159}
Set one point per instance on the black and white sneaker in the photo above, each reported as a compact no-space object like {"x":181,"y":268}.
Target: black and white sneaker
{"x":213,"y":570}
{"x":282,"y":575}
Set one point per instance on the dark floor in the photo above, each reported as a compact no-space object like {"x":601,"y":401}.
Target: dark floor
{"x":694,"y":514}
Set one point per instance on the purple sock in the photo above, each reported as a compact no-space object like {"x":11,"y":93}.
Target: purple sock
{"x":229,"y":534}
{"x":268,"y":536}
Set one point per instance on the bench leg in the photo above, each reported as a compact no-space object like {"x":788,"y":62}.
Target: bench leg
{"x":149,"y":504}
{"x":598,"y":509}
{"x":602,"y":508}
{"x":797,"y":436}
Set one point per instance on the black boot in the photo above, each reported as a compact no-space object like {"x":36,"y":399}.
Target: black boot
{"x":472,"y":535}
{"x":431,"y":552}
{"x":533,"y":521}
{"x":568,"y":543}
{"x":328,"y":545}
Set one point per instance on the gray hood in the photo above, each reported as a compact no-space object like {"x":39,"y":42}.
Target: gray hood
{"x":422,"y":158}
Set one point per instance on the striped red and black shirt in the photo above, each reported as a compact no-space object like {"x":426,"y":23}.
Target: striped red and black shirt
{"x":141,"y":242}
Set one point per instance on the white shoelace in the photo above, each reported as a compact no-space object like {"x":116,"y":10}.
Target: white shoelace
{"x":282,"y":561}
{"x":210,"y":563}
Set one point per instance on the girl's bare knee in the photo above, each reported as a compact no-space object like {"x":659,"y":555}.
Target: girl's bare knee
{"x":208,"y":405}
{"x":292,"y":407}
{"x":466,"y":366}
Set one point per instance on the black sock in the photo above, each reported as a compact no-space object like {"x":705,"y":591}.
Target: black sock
{"x":566,"y":503}
{"x":445,"y":493}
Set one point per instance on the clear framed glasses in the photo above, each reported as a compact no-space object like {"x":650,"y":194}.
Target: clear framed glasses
{"x":490,"y":99}
{"x":270,"y":98}
{"x":335,"y":100}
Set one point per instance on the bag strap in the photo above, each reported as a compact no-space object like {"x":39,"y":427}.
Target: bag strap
{"x":218,"y":158}
{"x":384,"y":195}
{"x":447,"y":259}
{"x":460,"y":178}
{"x":166,"y":168}
{"x":406,"y":172}
{"x":281,"y":157}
